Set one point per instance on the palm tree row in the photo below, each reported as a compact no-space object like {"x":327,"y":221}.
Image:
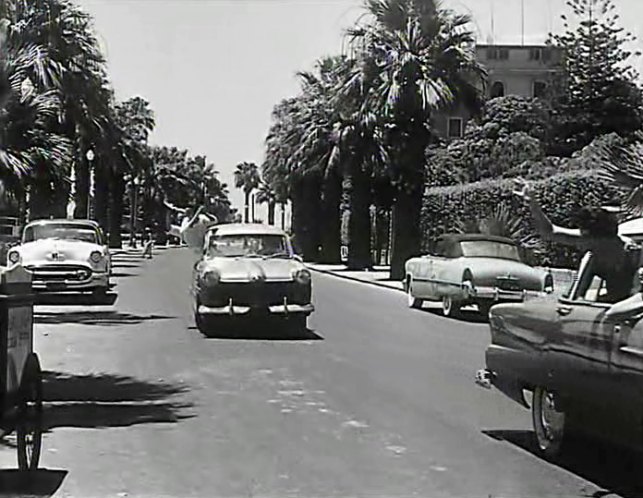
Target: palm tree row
{"x":361,"y":124}
{"x":60,"y":126}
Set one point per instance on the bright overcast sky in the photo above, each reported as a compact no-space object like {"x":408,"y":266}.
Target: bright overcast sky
{"x":213,"y":69}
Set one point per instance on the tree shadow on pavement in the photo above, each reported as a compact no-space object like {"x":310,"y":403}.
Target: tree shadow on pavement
{"x":616,"y":470}
{"x":101,"y":318}
{"x":38,"y":483}
{"x":106,"y":400}
{"x":260,"y":331}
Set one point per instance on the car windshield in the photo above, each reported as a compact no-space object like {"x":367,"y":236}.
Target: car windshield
{"x":60,"y":231}
{"x":248,"y":245}
{"x":489,"y":249}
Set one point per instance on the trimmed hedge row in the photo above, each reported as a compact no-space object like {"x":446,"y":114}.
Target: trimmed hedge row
{"x":560,"y":196}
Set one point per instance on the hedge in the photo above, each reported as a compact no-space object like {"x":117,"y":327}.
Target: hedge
{"x":560,"y":195}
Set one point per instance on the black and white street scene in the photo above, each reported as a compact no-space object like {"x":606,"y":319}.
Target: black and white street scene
{"x":321,"y":248}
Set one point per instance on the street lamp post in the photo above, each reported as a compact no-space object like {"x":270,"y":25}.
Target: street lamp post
{"x":90,"y":157}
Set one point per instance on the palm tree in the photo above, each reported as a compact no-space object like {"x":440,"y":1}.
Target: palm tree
{"x":414,"y":58}
{"x":267,"y":196}
{"x":622,"y":164}
{"x":29,"y":146}
{"x":246,"y":177}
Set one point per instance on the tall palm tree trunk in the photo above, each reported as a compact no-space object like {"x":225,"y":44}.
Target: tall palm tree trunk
{"x":271,"y":213}
{"x":331,"y":236}
{"x":246,"y":212}
{"x":101,"y":192}
{"x":283,"y":215}
{"x":116,"y":210}
{"x":82,"y":181}
{"x":359,"y":222}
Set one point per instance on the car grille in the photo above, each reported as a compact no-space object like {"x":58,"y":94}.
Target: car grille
{"x":508,"y":284}
{"x":60,"y":273}
{"x":255,"y":294}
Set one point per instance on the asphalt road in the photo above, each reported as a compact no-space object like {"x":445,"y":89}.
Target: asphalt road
{"x":374,"y":400}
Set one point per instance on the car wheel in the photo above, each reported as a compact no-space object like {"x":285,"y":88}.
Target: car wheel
{"x":549,"y":422}
{"x":412,"y":301}
{"x":450,"y":307}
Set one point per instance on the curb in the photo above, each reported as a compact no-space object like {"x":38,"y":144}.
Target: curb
{"x":355,"y":279}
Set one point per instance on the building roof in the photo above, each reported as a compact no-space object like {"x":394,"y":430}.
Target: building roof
{"x":246,"y":229}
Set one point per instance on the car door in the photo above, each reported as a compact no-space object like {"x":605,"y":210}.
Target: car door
{"x":626,"y":367}
{"x":421,"y":277}
{"x":581,"y":346}
{"x":442,"y":270}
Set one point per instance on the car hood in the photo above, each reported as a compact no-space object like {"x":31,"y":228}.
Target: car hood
{"x":246,"y":269}
{"x":486,"y":270}
{"x":57,"y":250}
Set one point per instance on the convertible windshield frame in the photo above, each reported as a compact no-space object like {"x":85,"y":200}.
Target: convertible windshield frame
{"x":61,"y":231}
{"x":248,"y":245}
{"x":490,"y":249}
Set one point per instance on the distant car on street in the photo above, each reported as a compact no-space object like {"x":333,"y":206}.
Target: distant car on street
{"x":472,"y":269}
{"x":250,"y":270}
{"x":64,"y":256}
{"x":580,"y":356}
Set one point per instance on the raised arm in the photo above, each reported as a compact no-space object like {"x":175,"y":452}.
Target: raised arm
{"x":174,"y":208}
{"x":547,"y":230}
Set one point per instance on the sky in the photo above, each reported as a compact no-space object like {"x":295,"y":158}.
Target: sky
{"x":213,"y":70}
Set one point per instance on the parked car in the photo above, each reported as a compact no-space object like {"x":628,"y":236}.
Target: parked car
{"x":250,"y":270}
{"x":579,"y":356}
{"x":64,"y":256}
{"x":472,"y":269}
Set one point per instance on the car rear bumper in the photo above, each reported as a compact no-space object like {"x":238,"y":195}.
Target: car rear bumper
{"x":275,"y":310}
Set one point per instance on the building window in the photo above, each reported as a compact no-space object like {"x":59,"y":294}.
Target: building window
{"x":503,"y":53}
{"x":492,"y":53}
{"x":455,"y":128}
{"x":536,"y":54}
{"x":497,"y":89}
{"x":540,"y":89}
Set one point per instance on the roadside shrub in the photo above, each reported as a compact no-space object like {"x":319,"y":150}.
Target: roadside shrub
{"x":561,"y":195}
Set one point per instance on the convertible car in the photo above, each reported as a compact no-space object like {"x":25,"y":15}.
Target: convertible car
{"x":250,"y":270}
{"x":472,"y":269}
{"x":64,"y":256}
{"x":581,"y":357}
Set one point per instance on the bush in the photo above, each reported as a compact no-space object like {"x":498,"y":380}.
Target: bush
{"x":560,"y":195}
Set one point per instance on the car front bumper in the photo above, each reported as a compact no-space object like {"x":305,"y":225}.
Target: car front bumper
{"x":274,"y":310}
{"x":63,"y":283}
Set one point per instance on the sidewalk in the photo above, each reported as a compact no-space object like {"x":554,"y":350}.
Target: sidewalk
{"x":380,"y":276}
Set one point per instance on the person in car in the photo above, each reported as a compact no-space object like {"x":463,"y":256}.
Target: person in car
{"x":615,"y":258}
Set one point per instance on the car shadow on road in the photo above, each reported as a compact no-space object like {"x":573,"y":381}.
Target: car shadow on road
{"x":466,"y":315}
{"x":615,"y":470}
{"x":101,"y":318}
{"x":107,"y":400}
{"x":38,"y":483}
{"x":76,"y":299}
{"x":261,"y":331}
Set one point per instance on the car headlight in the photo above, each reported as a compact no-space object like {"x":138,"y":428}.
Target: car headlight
{"x":14,"y":257}
{"x":302,"y":277}
{"x":96,"y":257}
{"x":211,"y":277}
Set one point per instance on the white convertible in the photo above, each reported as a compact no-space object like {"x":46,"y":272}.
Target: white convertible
{"x":64,"y":256}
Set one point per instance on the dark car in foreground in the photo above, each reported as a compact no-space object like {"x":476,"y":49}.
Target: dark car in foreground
{"x":580,"y":357}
